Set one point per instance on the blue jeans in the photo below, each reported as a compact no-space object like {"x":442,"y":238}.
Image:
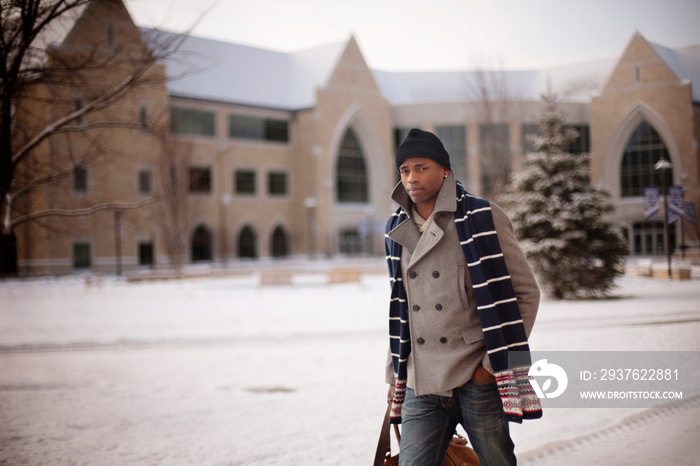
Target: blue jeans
{"x":429,"y":421}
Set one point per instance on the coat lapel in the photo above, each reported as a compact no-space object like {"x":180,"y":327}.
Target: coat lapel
{"x":428,"y":240}
{"x":407,"y":233}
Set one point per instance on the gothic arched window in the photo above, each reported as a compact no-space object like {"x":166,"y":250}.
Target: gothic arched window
{"x":351,"y":172}
{"x":644,"y":148}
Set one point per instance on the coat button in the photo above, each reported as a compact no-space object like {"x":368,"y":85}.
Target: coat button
{"x":443,"y":340}
{"x":436,"y":274}
{"x":412,"y":274}
{"x":420,"y":341}
{"x":438,"y":307}
{"x":416,"y":307}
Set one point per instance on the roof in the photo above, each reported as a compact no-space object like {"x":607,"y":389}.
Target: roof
{"x":685,"y":64}
{"x":577,"y":83}
{"x":225,"y":72}
{"x":53,"y":34}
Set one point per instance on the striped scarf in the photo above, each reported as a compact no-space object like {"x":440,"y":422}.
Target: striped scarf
{"x":502,"y":325}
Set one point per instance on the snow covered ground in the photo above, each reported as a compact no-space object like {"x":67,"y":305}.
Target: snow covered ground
{"x":222,"y":371}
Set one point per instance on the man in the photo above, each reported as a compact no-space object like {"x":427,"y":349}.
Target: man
{"x":463,"y":302}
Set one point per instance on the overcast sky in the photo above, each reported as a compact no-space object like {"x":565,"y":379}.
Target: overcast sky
{"x":405,"y":35}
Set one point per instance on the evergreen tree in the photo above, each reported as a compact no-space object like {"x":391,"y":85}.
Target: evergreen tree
{"x":559,"y":217}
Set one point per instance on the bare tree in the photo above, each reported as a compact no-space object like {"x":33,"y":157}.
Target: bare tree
{"x":174,"y":211}
{"x":497,"y":107}
{"x":57,"y":102}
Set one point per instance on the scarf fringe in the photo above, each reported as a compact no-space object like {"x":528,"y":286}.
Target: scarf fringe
{"x":519,"y":398}
{"x":397,"y":402}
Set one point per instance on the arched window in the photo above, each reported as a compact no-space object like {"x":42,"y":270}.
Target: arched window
{"x":201,"y":244}
{"x":644,"y":148}
{"x":351,"y":173}
{"x":280,"y":243}
{"x":247,"y":246}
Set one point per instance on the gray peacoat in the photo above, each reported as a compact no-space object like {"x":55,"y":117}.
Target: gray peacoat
{"x":447,"y":343}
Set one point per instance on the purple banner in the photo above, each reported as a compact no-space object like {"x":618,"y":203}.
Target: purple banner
{"x":651,"y":201}
{"x":676,"y":205}
{"x":690,"y":212}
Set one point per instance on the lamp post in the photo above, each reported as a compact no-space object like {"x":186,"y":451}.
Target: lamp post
{"x":663,"y":166}
{"x":118,"y":241}
{"x":225,"y":202}
{"x":310,"y":203}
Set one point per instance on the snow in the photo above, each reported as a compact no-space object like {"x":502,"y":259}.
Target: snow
{"x":223,"y":371}
{"x":225,"y":72}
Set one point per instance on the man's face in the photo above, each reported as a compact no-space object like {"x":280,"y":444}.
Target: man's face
{"x":422,"y":179}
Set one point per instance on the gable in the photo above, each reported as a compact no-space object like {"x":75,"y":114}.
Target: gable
{"x":104,"y":24}
{"x":352,"y":71}
{"x":639,"y":65}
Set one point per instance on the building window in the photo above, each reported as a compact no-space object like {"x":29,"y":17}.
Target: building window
{"x":146,"y":254}
{"x":247,"y":243}
{"x":277,"y":183}
{"x":350,"y":173}
{"x":280,"y":243}
{"x":495,"y":158}
{"x":81,"y":256}
{"x":244,"y":182}
{"x":192,"y":122}
{"x":80,"y":179}
{"x":455,"y":141}
{"x":200,"y":180}
{"x":143,"y":116}
{"x":144,"y":182}
{"x":201,"y":245}
{"x":644,"y":148}
{"x":262,"y":129}
{"x":78,"y":104}
{"x":648,"y":238}
{"x":350,"y":241}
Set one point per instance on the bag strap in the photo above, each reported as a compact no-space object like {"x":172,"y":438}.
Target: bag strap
{"x":384,"y":443}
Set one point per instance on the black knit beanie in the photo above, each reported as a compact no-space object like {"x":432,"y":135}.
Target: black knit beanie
{"x":421,"y":143}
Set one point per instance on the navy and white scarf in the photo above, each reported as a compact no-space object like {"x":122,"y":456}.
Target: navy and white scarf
{"x":497,"y":305}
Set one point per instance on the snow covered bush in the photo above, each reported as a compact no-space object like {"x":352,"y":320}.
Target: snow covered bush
{"x":560,"y":218}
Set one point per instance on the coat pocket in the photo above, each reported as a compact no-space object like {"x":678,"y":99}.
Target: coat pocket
{"x":473,"y":335}
{"x":464,"y":284}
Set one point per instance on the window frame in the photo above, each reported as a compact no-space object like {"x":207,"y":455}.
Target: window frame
{"x":186,"y":121}
{"x":253,"y":128}
{"x":239,"y":183}
{"x":80,"y":180}
{"x":351,"y":187}
{"x":145,"y":177}
{"x":81,"y":260}
{"x":274,"y":184}
{"x":193,"y":183}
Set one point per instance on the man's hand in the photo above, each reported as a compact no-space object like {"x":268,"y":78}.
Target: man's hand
{"x":481,"y":375}
{"x":390,"y":395}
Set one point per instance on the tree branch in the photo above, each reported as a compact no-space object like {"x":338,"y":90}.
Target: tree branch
{"x":84,"y":211}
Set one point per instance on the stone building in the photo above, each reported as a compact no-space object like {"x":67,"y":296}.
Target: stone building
{"x":265,"y":154}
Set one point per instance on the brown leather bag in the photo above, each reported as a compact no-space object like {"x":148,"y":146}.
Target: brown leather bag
{"x":458,"y":453}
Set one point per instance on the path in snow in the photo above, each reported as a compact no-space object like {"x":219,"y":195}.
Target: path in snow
{"x":222,"y":372}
